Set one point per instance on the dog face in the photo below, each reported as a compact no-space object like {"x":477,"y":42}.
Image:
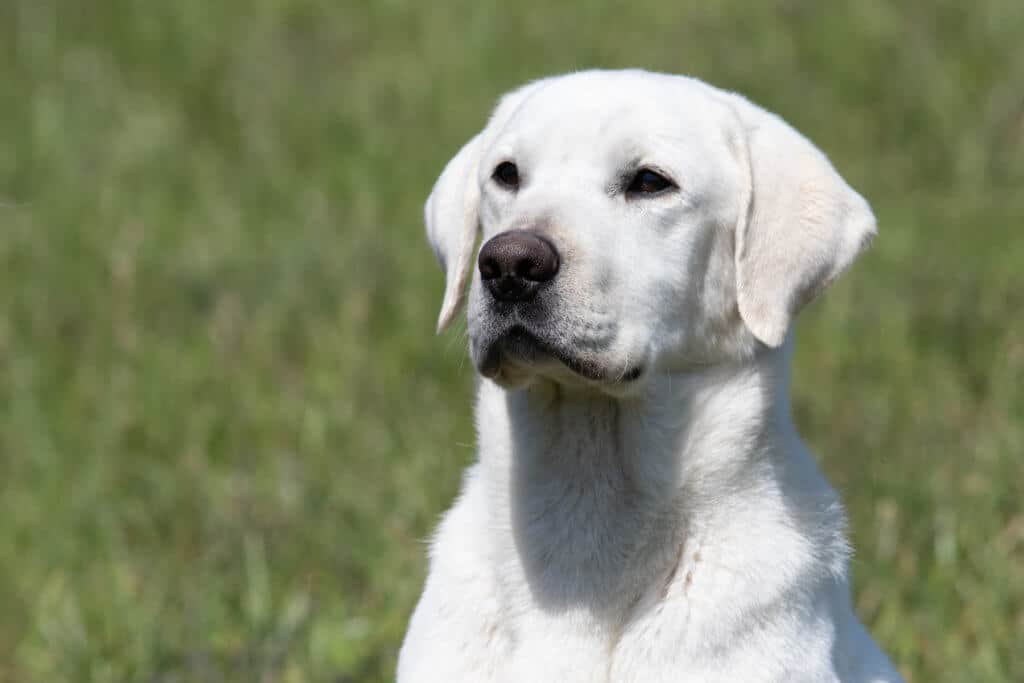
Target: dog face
{"x":635,"y":223}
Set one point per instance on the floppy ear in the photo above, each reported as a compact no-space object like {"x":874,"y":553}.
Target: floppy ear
{"x":802,"y":227}
{"x":452,"y":212}
{"x":452,"y":215}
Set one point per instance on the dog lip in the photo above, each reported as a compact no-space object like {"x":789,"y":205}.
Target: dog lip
{"x":524,"y":345}
{"x":492,"y":356}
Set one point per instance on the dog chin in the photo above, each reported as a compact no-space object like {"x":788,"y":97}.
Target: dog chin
{"x":515,"y":358}
{"x":512,"y":356}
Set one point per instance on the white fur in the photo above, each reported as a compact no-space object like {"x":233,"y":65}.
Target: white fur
{"x":671,"y":527}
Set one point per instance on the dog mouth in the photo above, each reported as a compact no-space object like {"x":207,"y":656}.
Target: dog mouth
{"x":524,"y":349}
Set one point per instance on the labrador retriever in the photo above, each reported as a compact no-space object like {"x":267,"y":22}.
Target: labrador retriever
{"x":642,"y":508}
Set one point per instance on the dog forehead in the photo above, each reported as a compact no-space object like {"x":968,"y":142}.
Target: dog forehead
{"x":585,"y":110}
{"x":591,"y":129}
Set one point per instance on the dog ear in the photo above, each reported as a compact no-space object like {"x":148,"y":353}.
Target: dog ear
{"x":452,"y":212}
{"x":800,"y":227}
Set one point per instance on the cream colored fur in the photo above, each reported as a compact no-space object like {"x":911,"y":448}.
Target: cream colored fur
{"x":651,"y":514}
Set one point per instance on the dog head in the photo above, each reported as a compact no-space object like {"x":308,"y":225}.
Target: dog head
{"x":635,"y":223}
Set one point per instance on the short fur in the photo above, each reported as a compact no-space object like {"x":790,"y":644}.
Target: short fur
{"x":642,"y":508}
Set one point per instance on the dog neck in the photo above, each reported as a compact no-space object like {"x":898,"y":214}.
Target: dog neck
{"x":603,"y":494}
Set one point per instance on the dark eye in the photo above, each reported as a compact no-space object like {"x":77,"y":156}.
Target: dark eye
{"x":507,"y":174}
{"x":647,"y":181}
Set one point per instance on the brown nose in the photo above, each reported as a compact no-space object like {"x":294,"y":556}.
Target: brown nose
{"x":514,"y":264}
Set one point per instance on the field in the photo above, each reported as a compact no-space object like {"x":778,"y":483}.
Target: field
{"x":226,"y":426}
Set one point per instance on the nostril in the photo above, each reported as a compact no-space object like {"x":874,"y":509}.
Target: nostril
{"x":489,"y":268}
{"x":540,"y":261}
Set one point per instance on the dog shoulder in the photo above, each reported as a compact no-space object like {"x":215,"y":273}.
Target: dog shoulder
{"x":455,"y":629}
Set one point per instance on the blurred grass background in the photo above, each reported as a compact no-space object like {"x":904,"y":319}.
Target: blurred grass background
{"x":225,"y":424}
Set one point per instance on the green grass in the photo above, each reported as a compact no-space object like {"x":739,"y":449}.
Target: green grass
{"x":225,"y":425}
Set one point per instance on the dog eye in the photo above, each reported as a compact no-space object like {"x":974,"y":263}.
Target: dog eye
{"x":647,"y":181}
{"x":507,"y":174}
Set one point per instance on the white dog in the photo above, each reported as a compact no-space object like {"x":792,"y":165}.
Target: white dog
{"x":642,"y":508}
